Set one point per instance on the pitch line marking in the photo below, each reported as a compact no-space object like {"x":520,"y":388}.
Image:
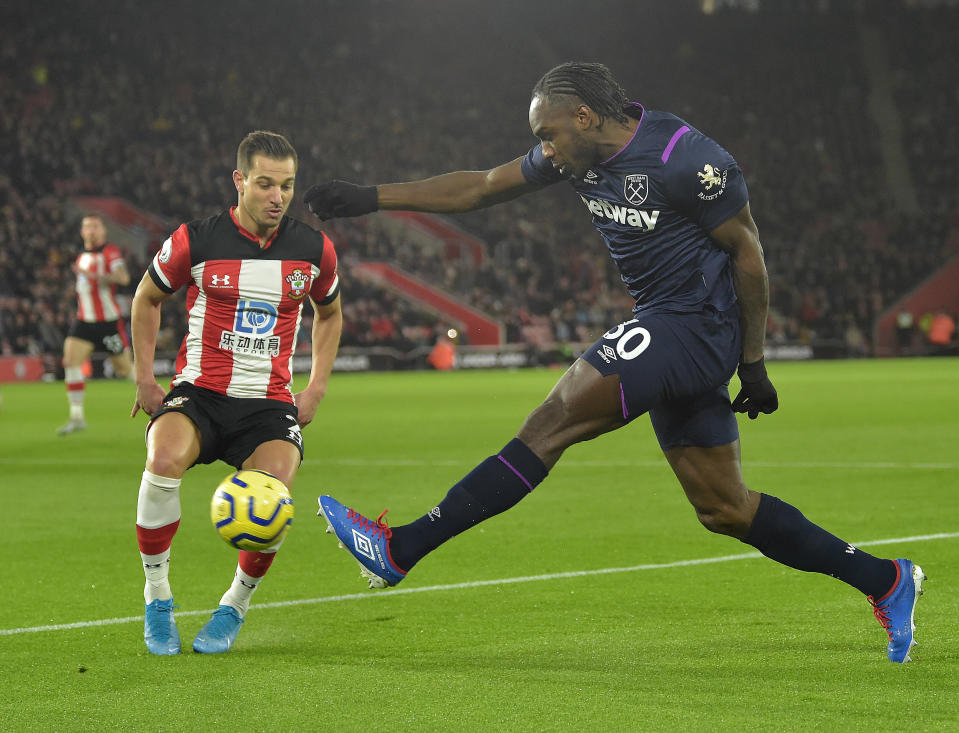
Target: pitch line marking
{"x":414,"y":463}
{"x":468,"y":584}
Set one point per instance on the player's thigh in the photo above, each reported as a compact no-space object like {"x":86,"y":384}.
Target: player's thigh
{"x":173,"y":444}
{"x":76,"y":351}
{"x":122,"y":364}
{"x":582,"y":405}
{"x":712,"y":479}
{"x":278,"y":457}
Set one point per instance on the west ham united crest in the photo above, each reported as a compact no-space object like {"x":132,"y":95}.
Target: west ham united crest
{"x":636,"y":188}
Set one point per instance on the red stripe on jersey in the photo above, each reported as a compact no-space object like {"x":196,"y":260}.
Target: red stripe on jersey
{"x":297,"y":279}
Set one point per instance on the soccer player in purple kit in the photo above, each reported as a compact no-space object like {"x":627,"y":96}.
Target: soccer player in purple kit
{"x":673,"y":209}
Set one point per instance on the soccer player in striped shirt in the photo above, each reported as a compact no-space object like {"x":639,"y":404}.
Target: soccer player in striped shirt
{"x":100,"y":268}
{"x":247,"y":272}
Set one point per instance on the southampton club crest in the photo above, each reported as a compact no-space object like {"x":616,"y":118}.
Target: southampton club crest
{"x":636,"y":188}
{"x":298,"y":281}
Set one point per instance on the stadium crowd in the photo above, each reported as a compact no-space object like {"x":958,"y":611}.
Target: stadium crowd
{"x":125,"y":102}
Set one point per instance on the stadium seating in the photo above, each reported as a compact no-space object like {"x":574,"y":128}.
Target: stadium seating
{"x":840,"y":250}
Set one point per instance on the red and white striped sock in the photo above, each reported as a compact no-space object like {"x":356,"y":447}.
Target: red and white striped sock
{"x":250,"y":570}
{"x":75,"y":381}
{"x":158,"y":517}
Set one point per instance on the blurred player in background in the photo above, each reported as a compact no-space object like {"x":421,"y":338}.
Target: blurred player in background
{"x":100,"y":268}
{"x":673,"y":209}
{"x":247,"y":272}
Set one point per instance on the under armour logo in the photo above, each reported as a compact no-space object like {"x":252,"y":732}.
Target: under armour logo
{"x":434,"y":514}
{"x":216,"y":280}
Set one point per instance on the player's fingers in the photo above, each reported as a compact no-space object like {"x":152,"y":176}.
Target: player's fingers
{"x":136,"y":408}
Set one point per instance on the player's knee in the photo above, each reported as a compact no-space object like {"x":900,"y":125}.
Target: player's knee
{"x":122,"y":368}
{"x":166,"y":464}
{"x":168,"y":459}
{"x":723,"y":518}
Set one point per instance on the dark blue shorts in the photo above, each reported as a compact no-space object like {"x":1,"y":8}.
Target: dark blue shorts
{"x":676,"y":367}
{"x":231,"y":428}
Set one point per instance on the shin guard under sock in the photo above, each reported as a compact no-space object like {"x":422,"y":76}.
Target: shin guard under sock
{"x":781,"y":532}
{"x":491,"y":488}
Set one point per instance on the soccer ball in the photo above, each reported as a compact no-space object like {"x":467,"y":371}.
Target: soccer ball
{"x":252,"y":510}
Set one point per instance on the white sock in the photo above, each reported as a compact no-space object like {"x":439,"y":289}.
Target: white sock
{"x":73,"y":376}
{"x":238,"y":595}
{"x":157,"y":571}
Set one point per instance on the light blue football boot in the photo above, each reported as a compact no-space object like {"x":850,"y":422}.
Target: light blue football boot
{"x":220,"y":631}
{"x":159,"y":628}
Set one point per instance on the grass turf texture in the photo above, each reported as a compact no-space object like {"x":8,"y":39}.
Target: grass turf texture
{"x":866,"y":448}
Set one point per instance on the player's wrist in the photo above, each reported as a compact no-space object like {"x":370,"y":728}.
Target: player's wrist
{"x":752,"y":371}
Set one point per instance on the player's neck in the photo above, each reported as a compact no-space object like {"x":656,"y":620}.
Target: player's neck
{"x":263,"y":235}
{"x":618,"y":137}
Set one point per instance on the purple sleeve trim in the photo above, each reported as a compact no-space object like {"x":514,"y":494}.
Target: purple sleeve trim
{"x":622,"y":394}
{"x":672,"y":142}
{"x":529,"y":486}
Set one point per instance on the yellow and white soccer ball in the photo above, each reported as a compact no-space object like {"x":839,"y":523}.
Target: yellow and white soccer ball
{"x":252,"y":510}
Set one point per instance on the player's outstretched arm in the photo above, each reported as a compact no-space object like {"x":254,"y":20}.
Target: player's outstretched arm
{"x":447,"y":193}
{"x":739,"y":236}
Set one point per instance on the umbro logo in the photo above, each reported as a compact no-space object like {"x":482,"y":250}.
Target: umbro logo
{"x":363,"y":545}
{"x":606,"y":353}
{"x":591,"y":177}
{"x":434,"y":514}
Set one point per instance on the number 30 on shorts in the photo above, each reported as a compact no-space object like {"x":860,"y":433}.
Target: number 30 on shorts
{"x":631,"y":340}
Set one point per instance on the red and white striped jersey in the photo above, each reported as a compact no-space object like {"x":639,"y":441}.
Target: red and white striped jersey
{"x":96,"y":299}
{"x":244,"y":302}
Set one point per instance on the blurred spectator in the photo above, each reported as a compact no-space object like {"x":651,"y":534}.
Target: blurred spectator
{"x":942,"y":329}
{"x":77,"y":118}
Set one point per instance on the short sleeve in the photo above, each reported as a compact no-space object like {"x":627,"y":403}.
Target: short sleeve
{"x":704,"y":181}
{"x":171,"y":267}
{"x":326,"y":285}
{"x":113,"y":257}
{"x":536,"y":169}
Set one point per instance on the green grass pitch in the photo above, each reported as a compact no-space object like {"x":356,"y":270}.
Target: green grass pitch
{"x":598,"y":603}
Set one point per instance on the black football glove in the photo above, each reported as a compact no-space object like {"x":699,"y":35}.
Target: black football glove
{"x":336,"y":199}
{"x":757,"y":393}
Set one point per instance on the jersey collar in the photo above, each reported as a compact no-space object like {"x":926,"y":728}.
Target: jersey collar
{"x":249,"y":235}
{"x":632,"y":109}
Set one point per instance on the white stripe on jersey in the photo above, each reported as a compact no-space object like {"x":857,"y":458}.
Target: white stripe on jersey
{"x":258,"y":281}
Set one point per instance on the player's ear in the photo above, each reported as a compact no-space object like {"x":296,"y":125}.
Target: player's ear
{"x":584,"y":116}
{"x":238,"y":181}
